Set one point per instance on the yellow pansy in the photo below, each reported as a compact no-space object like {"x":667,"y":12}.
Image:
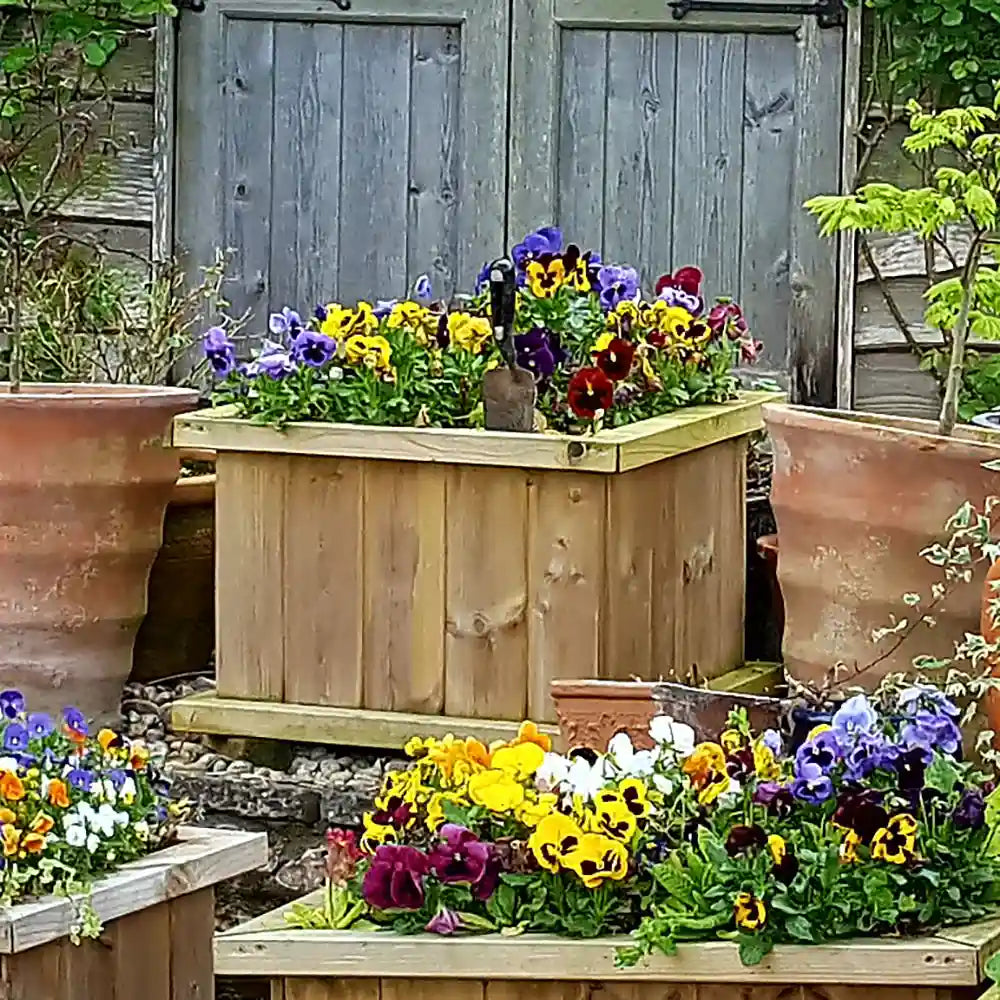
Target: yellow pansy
{"x":778,"y":848}
{"x":749,"y":912}
{"x":10,"y":835}
{"x":457,"y":760}
{"x":376,"y":833}
{"x":716,"y":787}
{"x":896,"y":842}
{"x":673,"y":320}
{"x":341,"y":322}
{"x":613,"y":816}
{"x":545,"y":277}
{"x":554,"y":838}
{"x":469,"y":333}
{"x":535,"y":808}
{"x":107,"y":737}
{"x":849,"y":847}
{"x":635,"y":795}
{"x":412,"y":316}
{"x":732,"y":740}
{"x":417,"y":746}
{"x":705,"y":764}
{"x":602,"y":343}
{"x":520,"y":761}
{"x":764,"y":762}
{"x":435,"y":808}
{"x":597,"y":858}
{"x":372,"y":352}
{"x":495,"y":790}
{"x":528,"y":732}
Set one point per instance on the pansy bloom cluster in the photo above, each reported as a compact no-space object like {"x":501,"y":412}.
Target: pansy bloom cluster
{"x":73,"y":805}
{"x":600,"y":353}
{"x":870,"y":823}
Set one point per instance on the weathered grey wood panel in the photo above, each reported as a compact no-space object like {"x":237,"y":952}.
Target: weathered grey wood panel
{"x":678,"y":143}
{"x":891,"y":382}
{"x":362,"y":149}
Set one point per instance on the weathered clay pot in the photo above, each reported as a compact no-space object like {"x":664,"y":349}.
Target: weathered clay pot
{"x":84,"y":481}
{"x":177,"y":635}
{"x":856,"y":498}
{"x":590,"y":712}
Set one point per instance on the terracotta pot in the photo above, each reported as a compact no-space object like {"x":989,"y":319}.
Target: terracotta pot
{"x":84,"y":481}
{"x":707,"y":711}
{"x":177,"y":636}
{"x":856,"y":498}
{"x":590,"y":712}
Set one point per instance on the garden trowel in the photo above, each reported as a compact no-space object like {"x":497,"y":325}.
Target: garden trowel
{"x":508,"y":391}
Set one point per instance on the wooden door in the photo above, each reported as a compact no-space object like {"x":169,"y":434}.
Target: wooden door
{"x":665,"y":141}
{"x":340,"y":154}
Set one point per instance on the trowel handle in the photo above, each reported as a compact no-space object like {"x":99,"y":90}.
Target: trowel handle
{"x":503,"y":295}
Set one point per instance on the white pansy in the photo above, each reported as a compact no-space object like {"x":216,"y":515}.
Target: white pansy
{"x":586,"y":779}
{"x":552,"y":772}
{"x":677,"y":736}
{"x":127,"y":792}
{"x":106,"y":819}
{"x":142,"y":829}
{"x":108,"y":791}
{"x":76,"y":834}
{"x":628,"y":760}
{"x":663,"y":784}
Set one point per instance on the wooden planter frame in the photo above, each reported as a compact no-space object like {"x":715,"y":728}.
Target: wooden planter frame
{"x":333,"y":965}
{"x":159,"y":919}
{"x":456,"y":573}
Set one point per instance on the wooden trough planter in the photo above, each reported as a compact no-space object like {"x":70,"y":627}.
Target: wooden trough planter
{"x":333,"y":965}
{"x":158,"y":915}
{"x":457,"y":573}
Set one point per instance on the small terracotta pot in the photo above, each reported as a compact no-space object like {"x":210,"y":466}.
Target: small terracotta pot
{"x":177,"y":636}
{"x":590,"y":712}
{"x":84,"y":480}
{"x":856,"y":498}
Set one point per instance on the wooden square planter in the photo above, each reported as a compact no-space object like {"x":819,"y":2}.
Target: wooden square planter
{"x":159,"y":918}
{"x":456,"y":573}
{"x":335,"y":965}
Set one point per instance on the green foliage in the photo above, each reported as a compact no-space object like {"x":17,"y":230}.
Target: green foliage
{"x":944,"y":51}
{"x":980,"y":381}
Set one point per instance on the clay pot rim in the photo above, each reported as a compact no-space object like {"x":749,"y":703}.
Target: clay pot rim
{"x":192,"y":491}
{"x":604,"y":689}
{"x":85,"y":394}
{"x":906,"y":430}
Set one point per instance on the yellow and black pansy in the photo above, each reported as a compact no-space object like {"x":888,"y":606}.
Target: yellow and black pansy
{"x":597,"y":858}
{"x":749,"y":912}
{"x":555,"y":837}
{"x":896,"y":842}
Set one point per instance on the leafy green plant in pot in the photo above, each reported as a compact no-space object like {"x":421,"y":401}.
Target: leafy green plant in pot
{"x":856,"y":495}
{"x":84,"y":474}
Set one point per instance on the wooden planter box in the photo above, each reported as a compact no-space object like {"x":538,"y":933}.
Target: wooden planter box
{"x":334,"y":965}
{"x":457,"y":573}
{"x":159,"y":918}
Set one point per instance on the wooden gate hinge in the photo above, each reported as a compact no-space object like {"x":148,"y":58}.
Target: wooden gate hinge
{"x":829,"y":13}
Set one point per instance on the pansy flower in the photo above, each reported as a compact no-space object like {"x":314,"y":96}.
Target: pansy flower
{"x":896,"y":842}
{"x":616,"y":285}
{"x":545,"y":276}
{"x":370,"y":352}
{"x":822,"y":749}
{"x":547,"y":240}
{"x":743,"y":839}
{"x":553,"y":839}
{"x":313,"y":349}
{"x":220,"y":352}
{"x":612,"y":817}
{"x":395,"y":878}
{"x":469,"y":333}
{"x":854,"y":718}
{"x":285,"y":324}
{"x":581,"y":268}
{"x":862,"y":812}
{"x":749,"y":912}
{"x":682,"y":289}
{"x":811,"y":784}
{"x":495,"y":790}
{"x":590,"y":393}
{"x":786,"y":865}
{"x":597,"y":858}
{"x":616,"y":359}
{"x":539,"y":352}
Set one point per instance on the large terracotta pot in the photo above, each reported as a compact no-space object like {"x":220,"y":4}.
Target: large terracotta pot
{"x":84,"y":480}
{"x":177,"y":635}
{"x":856,"y":498}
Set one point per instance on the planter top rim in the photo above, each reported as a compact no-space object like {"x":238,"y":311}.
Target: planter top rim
{"x":200,"y":858}
{"x":68,"y":394}
{"x":851,"y":423}
{"x":603,"y":689}
{"x":267,"y":947}
{"x":615,"y":450}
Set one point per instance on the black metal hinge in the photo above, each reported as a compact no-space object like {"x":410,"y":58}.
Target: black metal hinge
{"x":198,"y":6}
{"x":829,"y":13}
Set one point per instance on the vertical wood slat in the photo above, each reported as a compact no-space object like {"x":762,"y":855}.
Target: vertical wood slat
{"x":768,"y":165}
{"x":192,"y":927}
{"x":538,"y":990}
{"x":486,"y":647}
{"x":699,"y":585}
{"x":374,"y":178}
{"x":582,"y":129}
{"x":404,"y":587}
{"x":323,"y":546}
{"x":247,"y":158}
{"x":250,"y":574}
{"x":40,"y":972}
{"x":566,"y":551}
{"x":708,"y":161}
{"x":141,"y":950}
{"x":329,"y":989}
{"x":812,"y":336}
{"x":305,"y":189}
{"x":435,"y":143}
{"x":639,"y":155}
{"x":432,"y":989}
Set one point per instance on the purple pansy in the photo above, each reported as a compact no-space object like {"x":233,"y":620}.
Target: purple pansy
{"x":927,"y":697}
{"x":771,"y":738}
{"x":39,"y":725}
{"x":864,"y":756}
{"x":74,"y":720}
{"x":422,"y":288}
{"x":548,"y":239}
{"x":11,"y":704}
{"x":823,"y":750}
{"x":970,"y":813}
{"x":932,"y":731}
{"x":312,"y":348}
{"x":811,"y":784}
{"x":616,"y":285}
{"x":80,"y":778}
{"x":774,"y":797}
{"x":395,"y":878}
{"x":220,"y":351}
{"x":274,"y":362}
{"x":538,"y":351}
{"x":445,"y":921}
{"x":382,"y":308}
{"x":15,"y":737}
{"x":285,"y":324}
{"x":854,"y":717}
{"x":463,"y":857}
